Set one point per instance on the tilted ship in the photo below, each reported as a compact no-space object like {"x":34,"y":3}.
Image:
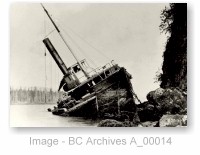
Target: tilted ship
{"x":100,"y":94}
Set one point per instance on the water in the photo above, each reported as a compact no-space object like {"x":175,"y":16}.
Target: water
{"x":38,"y":116}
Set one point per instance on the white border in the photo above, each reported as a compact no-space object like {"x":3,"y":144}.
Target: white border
{"x":185,"y":140}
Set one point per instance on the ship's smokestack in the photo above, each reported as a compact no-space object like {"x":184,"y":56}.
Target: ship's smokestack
{"x":69,"y":80}
{"x":55,"y":56}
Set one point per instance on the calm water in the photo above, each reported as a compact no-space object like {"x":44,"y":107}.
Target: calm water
{"x":38,"y":116}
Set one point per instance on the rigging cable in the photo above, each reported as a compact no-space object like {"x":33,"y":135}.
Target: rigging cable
{"x":85,"y":41}
{"x":90,"y":44}
{"x":97,"y":50}
{"x":79,"y":48}
{"x":45,"y":59}
{"x":49,"y":33}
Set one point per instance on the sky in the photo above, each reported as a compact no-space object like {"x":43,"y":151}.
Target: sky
{"x":126,"y":33}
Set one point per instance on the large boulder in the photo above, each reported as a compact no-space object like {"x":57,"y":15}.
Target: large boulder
{"x":169,"y":100}
{"x":148,"y":124}
{"x":110,"y":123}
{"x":173,"y":121}
{"x":161,"y":102}
{"x":153,"y":95}
{"x":148,"y":112}
{"x":127,"y":105}
{"x":115,"y":123}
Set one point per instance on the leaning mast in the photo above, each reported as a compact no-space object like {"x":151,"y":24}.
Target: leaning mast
{"x":68,"y":46}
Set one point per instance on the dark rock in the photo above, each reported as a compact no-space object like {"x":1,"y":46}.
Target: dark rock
{"x":142,"y":105}
{"x":149,"y":124}
{"x":110,"y":123}
{"x":148,"y":112}
{"x":58,"y":111}
{"x":129,"y":124}
{"x":171,"y":101}
{"x":128,"y":111}
{"x":136,"y":119}
{"x":183,"y":111}
{"x":127,"y":105}
{"x":173,"y":121}
{"x":115,"y":123}
{"x":174,"y":68}
{"x":154,"y":95}
{"x":160,"y":102}
{"x":49,"y":109}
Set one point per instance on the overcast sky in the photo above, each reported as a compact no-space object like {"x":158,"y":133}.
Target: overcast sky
{"x":126,"y":33}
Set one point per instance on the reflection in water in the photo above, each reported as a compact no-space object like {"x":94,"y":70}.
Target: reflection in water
{"x":37,"y":116}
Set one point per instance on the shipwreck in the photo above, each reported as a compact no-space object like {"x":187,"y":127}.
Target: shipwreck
{"x":103,"y":92}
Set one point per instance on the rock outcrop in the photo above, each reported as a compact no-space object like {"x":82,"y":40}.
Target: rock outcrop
{"x":162,"y":101}
{"x":174,"y":68}
{"x":149,"y":124}
{"x":110,"y":123}
{"x":173,"y":121}
{"x":167,"y":106}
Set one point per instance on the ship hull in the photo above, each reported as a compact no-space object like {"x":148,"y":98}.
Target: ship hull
{"x":104,"y":99}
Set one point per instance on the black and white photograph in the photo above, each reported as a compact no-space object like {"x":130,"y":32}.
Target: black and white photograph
{"x":98,"y":64}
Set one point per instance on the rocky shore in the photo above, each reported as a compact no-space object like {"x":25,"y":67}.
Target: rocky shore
{"x":167,"y":105}
{"x":163,"y":108}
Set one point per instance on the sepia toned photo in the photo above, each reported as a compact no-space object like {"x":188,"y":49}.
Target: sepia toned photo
{"x":98,"y":65}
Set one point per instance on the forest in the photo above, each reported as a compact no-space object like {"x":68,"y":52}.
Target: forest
{"x":34,"y":96}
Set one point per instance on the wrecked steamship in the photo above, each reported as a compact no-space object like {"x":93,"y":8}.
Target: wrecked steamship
{"x":102,"y":92}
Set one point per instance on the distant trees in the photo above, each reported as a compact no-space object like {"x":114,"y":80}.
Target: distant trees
{"x":34,"y":96}
{"x":174,"y":22}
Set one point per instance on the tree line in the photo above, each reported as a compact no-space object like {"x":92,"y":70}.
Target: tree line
{"x":34,"y":96}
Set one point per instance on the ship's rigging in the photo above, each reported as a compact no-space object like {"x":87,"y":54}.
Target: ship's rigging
{"x":94,"y":66}
{"x":70,"y":49}
{"x":92,"y":86}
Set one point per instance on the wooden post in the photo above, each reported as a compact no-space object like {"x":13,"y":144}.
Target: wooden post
{"x":118,"y":106}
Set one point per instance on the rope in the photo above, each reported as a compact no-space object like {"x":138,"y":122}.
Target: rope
{"x":118,"y":106}
{"x":79,"y":48}
{"x":45,"y":59}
